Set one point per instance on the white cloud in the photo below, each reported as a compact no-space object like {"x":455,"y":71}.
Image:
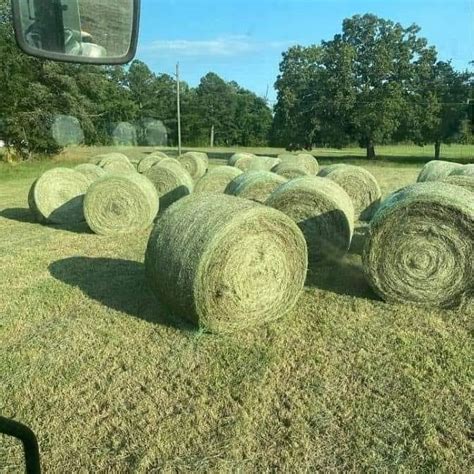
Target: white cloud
{"x":226,"y":46}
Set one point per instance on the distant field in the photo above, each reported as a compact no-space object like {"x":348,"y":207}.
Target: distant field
{"x":344,"y":383}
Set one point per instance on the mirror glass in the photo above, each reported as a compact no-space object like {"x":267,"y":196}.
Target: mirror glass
{"x":79,"y":30}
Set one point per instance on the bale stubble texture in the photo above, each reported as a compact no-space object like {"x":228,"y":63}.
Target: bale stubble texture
{"x":57,"y":196}
{"x":194,"y":163}
{"x":465,"y":181}
{"x":305,"y":161}
{"x":171,"y":180}
{"x":90,"y":171}
{"x":420,"y":246}
{"x":466,"y":170}
{"x":290,"y":170}
{"x":437,"y":170}
{"x":359,"y":184}
{"x":217,"y":179}
{"x":225,"y":263}
{"x":322,"y":210}
{"x":116,"y":163}
{"x":148,"y":161}
{"x":120,"y":204}
{"x":255,"y":185}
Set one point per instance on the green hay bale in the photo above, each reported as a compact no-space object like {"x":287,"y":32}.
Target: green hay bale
{"x":466,"y":182}
{"x":120,"y":204}
{"x":237,"y":156}
{"x":95,"y":160}
{"x":466,"y":170}
{"x":305,"y":161}
{"x":359,"y":184}
{"x":148,"y":161}
{"x":322,"y":210}
{"x":247,"y":162}
{"x":90,"y":171}
{"x":420,"y":246}
{"x":254,"y":185}
{"x":290,"y":170}
{"x":217,"y":179}
{"x":437,"y":170}
{"x":57,"y":196}
{"x":171,"y":181}
{"x":194,"y":163}
{"x":225,"y":263}
{"x":116,"y":163}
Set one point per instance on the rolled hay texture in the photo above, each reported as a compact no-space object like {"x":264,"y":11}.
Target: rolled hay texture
{"x":194,"y":164}
{"x":322,"y":210}
{"x":254,"y":185}
{"x":217,"y":179}
{"x":237,"y":156}
{"x":262,"y":163}
{"x":117,"y":163}
{"x":420,"y":246}
{"x":302,"y":160}
{"x":359,"y":184}
{"x":437,"y":170}
{"x":95,"y":160}
{"x":247,"y":162}
{"x":290,"y":170}
{"x":466,"y":182}
{"x":90,"y":171}
{"x":159,"y":154}
{"x":57,"y":196}
{"x":466,"y":170}
{"x":225,"y":263}
{"x":171,"y":180}
{"x":120,"y":204}
{"x":148,"y":161}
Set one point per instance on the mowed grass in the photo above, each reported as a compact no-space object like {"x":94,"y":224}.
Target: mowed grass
{"x":344,"y":383}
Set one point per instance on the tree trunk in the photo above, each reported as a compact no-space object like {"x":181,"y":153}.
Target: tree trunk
{"x":370,"y":150}
{"x":437,"y":149}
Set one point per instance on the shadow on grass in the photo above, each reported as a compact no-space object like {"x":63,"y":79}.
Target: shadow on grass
{"x":25,"y":216}
{"x":343,"y":277}
{"x":117,"y":284}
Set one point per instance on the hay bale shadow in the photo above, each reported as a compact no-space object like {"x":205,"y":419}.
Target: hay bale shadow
{"x":18,"y":214}
{"x":358,"y":239}
{"x":343,"y":277}
{"x":117,"y":284}
{"x":25,"y":216}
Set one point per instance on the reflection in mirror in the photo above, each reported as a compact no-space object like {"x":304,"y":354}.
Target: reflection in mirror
{"x":78,"y":28}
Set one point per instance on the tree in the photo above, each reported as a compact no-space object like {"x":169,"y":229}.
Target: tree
{"x":352,"y":88}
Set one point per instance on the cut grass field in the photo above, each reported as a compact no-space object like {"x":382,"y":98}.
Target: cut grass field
{"x":90,"y":362}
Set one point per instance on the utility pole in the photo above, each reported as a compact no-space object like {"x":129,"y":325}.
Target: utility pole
{"x":212,"y":136}
{"x":178,"y":107}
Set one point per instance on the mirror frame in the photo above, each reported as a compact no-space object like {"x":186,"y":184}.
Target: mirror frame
{"x":25,"y":47}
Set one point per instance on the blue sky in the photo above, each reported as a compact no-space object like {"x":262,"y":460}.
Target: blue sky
{"x":243,"y":40}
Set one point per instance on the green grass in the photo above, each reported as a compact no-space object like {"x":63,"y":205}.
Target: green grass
{"x":344,"y":383}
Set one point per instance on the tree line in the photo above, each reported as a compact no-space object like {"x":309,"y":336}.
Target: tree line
{"x":374,"y":83}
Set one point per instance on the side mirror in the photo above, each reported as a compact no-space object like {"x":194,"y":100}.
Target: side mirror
{"x":78,"y":31}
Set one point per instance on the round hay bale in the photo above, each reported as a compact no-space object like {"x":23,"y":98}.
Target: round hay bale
{"x":225,"y":263}
{"x":237,"y":156}
{"x":290,"y":170}
{"x":246,"y":161}
{"x":466,"y":170}
{"x":116,"y":163}
{"x":437,"y":170}
{"x":148,"y":161}
{"x":217,"y":179}
{"x":466,"y":182}
{"x":95,"y":160}
{"x":120,"y":204}
{"x":305,"y":161}
{"x":322,"y":210}
{"x":57,"y":196}
{"x":194,"y":163}
{"x":159,"y":154}
{"x":420,"y":246}
{"x":171,"y":181}
{"x":361,"y":186}
{"x":90,"y":171}
{"x":254,"y":185}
